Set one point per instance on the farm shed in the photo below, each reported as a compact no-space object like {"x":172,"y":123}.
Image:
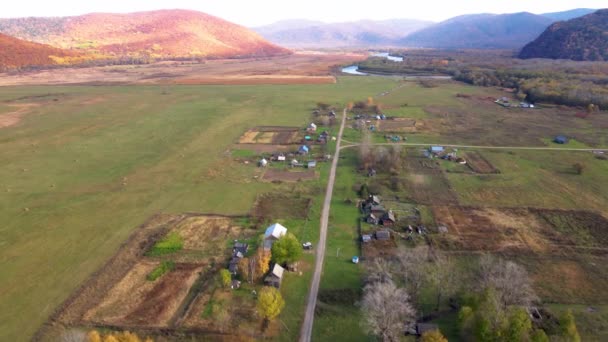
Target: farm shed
{"x":263,"y":162}
{"x":366,"y":238}
{"x":388,"y":219}
{"x":303,"y":149}
{"x":233,"y":265}
{"x":312,"y":164}
{"x":240,"y":247}
{"x":437,"y":149}
{"x":560,"y":139}
{"x":372,"y":219}
{"x":273,"y":233}
{"x":275,"y":277}
{"x":312,"y":127}
{"x":383,"y":235}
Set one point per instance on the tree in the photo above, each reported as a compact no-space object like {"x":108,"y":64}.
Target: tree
{"x":539,"y":336}
{"x":386,"y":309}
{"x":411,"y":266}
{"x":519,"y":326}
{"x":270,"y":303}
{"x":246,"y":268}
{"x":509,"y":279}
{"x":441,"y":276}
{"x":433,"y":336}
{"x":378,"y":271}
{"x":93,"y":336}
{"x":578,"y":168}
{"x":568,"y":327}
{"x":225,"y":278}
{"x":262,"y":263}
{"x":286,"y":249}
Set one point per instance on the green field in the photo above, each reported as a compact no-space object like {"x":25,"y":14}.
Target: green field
{"x":90,"y":164}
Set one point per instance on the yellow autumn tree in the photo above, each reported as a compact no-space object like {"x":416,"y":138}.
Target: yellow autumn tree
{"x":433,"y":336}
{"x":93,"y":336}
{"x":270,"y":303}
{"x":262,"y":262}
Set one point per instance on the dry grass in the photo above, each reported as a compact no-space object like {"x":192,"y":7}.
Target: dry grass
{"x":299,"y":68}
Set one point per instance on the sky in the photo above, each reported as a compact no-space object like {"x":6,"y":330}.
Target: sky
{"x":261,"y":12}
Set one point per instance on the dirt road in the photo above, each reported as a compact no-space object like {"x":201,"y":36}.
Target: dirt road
{"x":306,"y":332}
{"x":485,"y":147}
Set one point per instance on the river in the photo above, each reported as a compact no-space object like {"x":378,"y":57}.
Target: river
{"x":354,"y":70}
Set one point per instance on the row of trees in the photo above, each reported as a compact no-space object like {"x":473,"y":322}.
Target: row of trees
{"x":495,"y":308}
{"x":383,"y":159}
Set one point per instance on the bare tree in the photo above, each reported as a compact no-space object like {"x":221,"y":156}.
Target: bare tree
{"x":387,"y":310}
{"x":510,"y":280}
{"x":412,"y":264}
{"x":379,"y":271}
{"x":442,"y":276}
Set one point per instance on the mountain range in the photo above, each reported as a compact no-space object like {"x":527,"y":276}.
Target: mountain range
{"x":475,"y":31}
{"x":314,"y":34}
{"x":163,"y":33}
{"x":580,"y":39}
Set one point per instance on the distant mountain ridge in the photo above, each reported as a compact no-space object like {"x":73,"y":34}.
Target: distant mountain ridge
{"x":163,"y":33}
{"x":581,"y":39}
{"x":567,"y":15}
{"x":363,"y":33}
{"x":482,"y":31}
{"x":472,"y":31}
{"x":16,"y":53}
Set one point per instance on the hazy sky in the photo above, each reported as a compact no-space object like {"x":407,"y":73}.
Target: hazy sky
{"x":260,"y":12}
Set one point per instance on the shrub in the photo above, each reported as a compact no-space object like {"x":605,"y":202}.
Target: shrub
{"x":160,"y":270}
{"x":171,"y":243}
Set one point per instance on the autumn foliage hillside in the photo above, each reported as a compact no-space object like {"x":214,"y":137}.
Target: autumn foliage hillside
{"x":164,"y":33}
{"x":16,"y":53}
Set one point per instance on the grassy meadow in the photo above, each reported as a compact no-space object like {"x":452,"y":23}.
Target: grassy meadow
{"x":89,"y":164}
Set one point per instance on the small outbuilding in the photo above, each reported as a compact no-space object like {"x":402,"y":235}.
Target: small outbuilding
{"x":235,"y":284}
{"x":233,"y":265}
{"x":312,"y":164}
{"x":437,"y":149}
{"x":275,"y":277}
{"x":263,"y":162}
{"x":272,"y":234}
{"x":383,"y":235}
{"x":240,"y":247}
{"x":281,"y":157}
{"x":388,"y":219}
{"x":303,"y":149}
{"x":560,"y":139}
{"x":312,"y":127}
{"x":366,"y":238}
{"x":372,"y":219}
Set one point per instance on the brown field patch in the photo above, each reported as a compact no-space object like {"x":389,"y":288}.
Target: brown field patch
{"x":14,"y":117}
{"x":488,"y":229}
{"x":274,"y":135}
{"x":288,"y":176}
{"x":207,"y":233}
{"x":276,"y":206}
{"x":377,"y":248}
{"x":426,"y":182}
{"x":256,"y":80}
{"x":265,"y":148}
{"x":479,"y":164}
{"x":297,"y":68}
{"x":569,"y":280}
{"x":135,"y":301}
{"x":399,"y":125}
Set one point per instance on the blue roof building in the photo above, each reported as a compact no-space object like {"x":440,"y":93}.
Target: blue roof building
{"x":560,"y":139}
{"x":437,"y":149}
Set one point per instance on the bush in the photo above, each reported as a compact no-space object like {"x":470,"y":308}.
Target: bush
{"x":160,"y":270}
{"x":171,"y":243}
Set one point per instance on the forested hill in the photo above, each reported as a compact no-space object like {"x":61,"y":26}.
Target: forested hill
{"x":16,"y":53}
{"x":580,"y":39}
